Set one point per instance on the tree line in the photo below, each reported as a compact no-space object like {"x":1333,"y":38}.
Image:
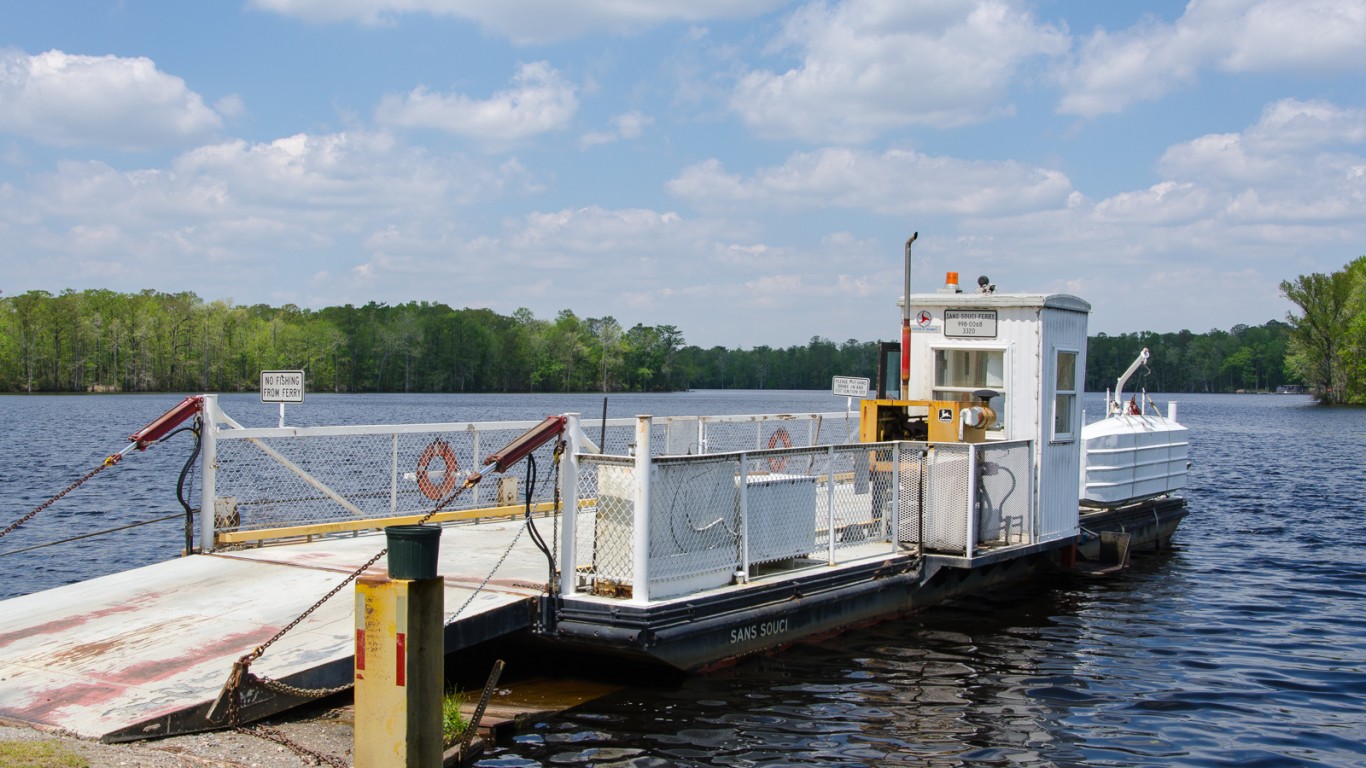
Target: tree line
{"x":104,"y":341}
{"x":1328,"y":346}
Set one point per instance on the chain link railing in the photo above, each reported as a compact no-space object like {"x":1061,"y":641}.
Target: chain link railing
{"x":722,"y":518}
{"x":307,"y":478}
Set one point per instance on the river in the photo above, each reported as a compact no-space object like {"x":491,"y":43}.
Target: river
{"x":1244,"y":644}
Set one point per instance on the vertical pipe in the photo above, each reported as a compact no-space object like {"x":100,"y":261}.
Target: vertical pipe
{"x":830,"y":506}
{"x":895,"y":495}
{"x":906,"y":323}
{"x":208,"y":470}
{"x":744,"y":517}
{"x":393,"y":474}
{"x":475,"y":443}
{"x":602,"y":431}
{"x":1033,"y":511}
{"x":971,"y":544}
{"x":569,"y":504}
{"x":1171,"y":411}
{"x":640,"y":529}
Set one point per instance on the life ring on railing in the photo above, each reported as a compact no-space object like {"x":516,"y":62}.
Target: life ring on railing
{"x":779,"y":439}
{"x":437,"y":448}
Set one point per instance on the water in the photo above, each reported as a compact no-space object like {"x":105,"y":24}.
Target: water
{"x":1245,"y":644}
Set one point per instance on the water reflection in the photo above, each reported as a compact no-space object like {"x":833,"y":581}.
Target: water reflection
{"x":1244,"y":645}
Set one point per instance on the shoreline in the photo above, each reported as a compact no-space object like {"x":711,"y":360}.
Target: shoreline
{"x":327,"y":729}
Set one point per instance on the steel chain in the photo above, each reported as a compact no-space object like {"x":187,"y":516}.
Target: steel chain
{"x":107,"y":463}
{"x":241,"y":673}
{"x":286,"y":689}
{"x":547,"y":588}
{"x":487,"y":578}
{"x":260,"y":649}
{"x":279,"y":737}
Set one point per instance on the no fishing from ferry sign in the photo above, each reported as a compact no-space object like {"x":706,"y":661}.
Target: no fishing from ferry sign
{"x":282,"y":386}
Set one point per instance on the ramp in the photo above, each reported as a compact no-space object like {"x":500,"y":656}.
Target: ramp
{"x":144,"y":653}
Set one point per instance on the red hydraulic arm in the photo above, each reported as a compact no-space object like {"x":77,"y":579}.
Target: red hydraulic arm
{"x":530,"y":440}
{"x":165,"y":423}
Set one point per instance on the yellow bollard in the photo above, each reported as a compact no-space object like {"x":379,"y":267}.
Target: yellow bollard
{"x":399,"y":669}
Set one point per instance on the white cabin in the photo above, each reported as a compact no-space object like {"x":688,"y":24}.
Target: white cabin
{"x":1031,"y":350}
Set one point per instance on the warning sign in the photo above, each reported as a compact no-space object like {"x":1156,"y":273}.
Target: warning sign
{"x":282,"y":386}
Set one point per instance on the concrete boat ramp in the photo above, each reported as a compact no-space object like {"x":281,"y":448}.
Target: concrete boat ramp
{"x":144,"y":653}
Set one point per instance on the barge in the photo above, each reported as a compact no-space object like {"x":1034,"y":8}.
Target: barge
{"x":687,"y":542}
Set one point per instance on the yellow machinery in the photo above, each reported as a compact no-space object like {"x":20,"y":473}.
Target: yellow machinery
{"x":938,"y":421}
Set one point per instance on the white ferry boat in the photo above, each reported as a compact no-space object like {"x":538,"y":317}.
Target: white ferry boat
{"x":688,"y":542}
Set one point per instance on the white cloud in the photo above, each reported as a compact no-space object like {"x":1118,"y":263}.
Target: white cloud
{"x":895,"y":182}
{"x":1289,"y":166}
{"x":868,"y":66}
{"x":540,"y":100}
{"x":627,"y":126}
{"x":258,"y":209}
{"x":1234,"y":214}
{"x":104,"y":101}
{"x":528,"y":21}
{"x":1152,"y":58}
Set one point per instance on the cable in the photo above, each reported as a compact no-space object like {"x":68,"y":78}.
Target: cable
{"x":184,"y":472}
{"x":531,"y":522}
{"x":89,"y":535}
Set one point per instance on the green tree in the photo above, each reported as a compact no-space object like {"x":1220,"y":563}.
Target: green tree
{"x":1323,"y":331}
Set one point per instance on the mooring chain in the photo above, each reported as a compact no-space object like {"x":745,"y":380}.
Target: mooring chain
{"x":107,"y":463}
{"x":286,"y":689}
{"x":553,"y":588}
{"x":548,"y":588}
{"x":241,"y":674}
{"x":279,"y":737}
{"x":489,"y":577}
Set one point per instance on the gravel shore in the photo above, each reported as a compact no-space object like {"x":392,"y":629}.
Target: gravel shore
{"x":326,"y":730}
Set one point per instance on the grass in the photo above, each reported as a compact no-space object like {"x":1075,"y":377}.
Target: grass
{"x":39,"y":754}
{"x":453,"y":723}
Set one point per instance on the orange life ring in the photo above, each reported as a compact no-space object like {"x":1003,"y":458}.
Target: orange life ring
{"x":778,"y":463}
{"x":437,"y":448}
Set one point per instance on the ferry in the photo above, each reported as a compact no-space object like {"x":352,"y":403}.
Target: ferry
{"x":687,"y":542}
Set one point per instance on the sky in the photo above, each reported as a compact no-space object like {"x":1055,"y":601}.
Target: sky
{"x":746,"y":170}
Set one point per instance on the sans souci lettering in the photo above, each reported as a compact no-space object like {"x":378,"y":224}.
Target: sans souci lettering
{"x":970,"y":323}
{"x":756,"y":631}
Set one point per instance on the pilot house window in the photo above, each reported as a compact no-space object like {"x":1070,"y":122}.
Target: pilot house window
{"x":1065,"y":397}
{"x":960,"y":372}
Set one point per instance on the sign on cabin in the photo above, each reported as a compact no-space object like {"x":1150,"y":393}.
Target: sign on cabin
{"x":970,"y":323}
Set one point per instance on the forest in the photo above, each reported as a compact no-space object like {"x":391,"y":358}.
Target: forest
{"x":1328,"y":346}
{"x":104,"y":341}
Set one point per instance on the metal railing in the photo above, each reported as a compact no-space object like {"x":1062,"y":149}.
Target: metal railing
{"x":652,"y":527}
{"x":285,"y":482}
{"x":262,"y":483}
{"x":712,"y":501}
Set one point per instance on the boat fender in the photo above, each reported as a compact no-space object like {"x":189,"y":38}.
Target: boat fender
{"x":437,"y":448}
{"x":779,"y":439}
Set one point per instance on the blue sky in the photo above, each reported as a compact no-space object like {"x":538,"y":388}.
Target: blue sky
{"x":747,"y":170}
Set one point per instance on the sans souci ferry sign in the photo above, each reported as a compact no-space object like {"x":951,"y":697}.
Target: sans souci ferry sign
{"x":970,"y":323}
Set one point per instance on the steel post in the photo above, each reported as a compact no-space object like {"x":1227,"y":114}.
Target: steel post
{"x":744,"y":517}
{"x":569,"y":504}
{"x":208,"y":470}
{"x":399,"y":672}
{"x":640,"y":530}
